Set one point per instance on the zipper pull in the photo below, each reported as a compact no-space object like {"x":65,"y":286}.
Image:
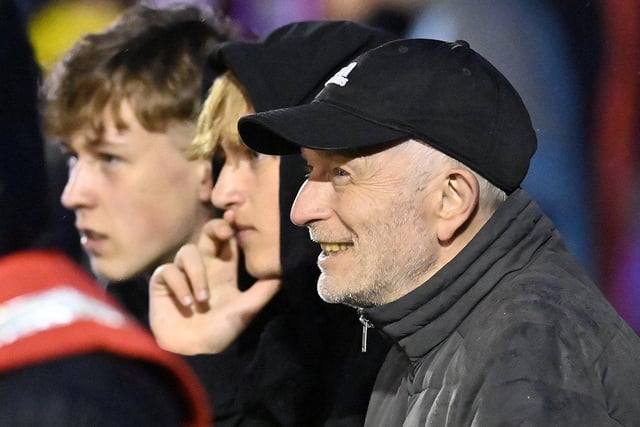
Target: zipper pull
{"x":366,"y":324}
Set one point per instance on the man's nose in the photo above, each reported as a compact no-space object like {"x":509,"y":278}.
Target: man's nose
{"x":311,"y":203}
{"x":226,"y":192}
{"x":78,"y":192}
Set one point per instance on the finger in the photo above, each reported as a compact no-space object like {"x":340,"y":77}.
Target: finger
{"x":219,"y":248}
{"x":218,"y":230}
{"x":169,"y":279}
{"x":189,"y":261}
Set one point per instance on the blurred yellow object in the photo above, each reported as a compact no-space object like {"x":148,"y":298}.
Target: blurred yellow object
{"x":59,"y":24}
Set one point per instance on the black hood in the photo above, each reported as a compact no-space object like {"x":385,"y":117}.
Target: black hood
{"x":290,"y":65}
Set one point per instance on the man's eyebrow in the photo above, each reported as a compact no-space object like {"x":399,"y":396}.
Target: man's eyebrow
{"x":91,"y":142}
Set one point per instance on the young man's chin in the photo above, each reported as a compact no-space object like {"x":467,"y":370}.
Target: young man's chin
{"x":263,"y":270}
{"x":108,"y":272}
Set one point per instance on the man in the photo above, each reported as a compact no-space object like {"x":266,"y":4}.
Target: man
{"x":124,"y":102}
{"x":125,"y":110}
{"x":416,"y":151}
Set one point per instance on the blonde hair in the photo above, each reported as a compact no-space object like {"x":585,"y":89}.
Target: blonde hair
{"x":225,"y":105}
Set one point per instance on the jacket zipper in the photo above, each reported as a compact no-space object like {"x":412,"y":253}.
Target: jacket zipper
{"x":366,"y":324}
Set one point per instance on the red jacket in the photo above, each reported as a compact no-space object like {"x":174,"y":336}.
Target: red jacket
{"x":50,"y":308}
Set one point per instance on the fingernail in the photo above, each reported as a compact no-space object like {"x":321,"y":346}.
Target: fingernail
{"x":188,"y":300}
{"x":203,"y":295}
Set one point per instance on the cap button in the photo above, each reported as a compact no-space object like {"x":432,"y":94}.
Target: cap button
{"x":460,"y":43}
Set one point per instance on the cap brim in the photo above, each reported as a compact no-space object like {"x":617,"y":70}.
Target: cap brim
{"x":318,"y":126}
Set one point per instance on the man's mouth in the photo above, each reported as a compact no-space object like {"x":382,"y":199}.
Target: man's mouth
{"x":91,"y":240}
{"x":90,"y":234}
{"x":332,"y":248}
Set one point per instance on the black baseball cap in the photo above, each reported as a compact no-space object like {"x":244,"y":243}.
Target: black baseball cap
{"x":442,"y":93}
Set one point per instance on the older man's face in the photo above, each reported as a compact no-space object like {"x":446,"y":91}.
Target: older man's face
{"x":367,"y":213}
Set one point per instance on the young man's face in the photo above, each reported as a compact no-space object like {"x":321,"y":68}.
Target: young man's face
{"x":247,"y":189}
{"x":377,"y":241}
{"x":136,"y":197}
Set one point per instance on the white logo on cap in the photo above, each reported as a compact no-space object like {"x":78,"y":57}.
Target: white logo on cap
{"x":340,"y":78}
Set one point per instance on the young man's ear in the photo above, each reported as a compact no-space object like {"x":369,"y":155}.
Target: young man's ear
{"x":460,"y":194}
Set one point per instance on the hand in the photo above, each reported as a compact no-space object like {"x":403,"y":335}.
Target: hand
{"x":195,"y":305}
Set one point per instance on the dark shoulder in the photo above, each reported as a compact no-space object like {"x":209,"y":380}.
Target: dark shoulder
{"x":549,"y":305}
{"x":95,"y":390}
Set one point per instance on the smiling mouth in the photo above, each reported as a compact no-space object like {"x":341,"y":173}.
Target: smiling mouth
{"x":332,"y":248}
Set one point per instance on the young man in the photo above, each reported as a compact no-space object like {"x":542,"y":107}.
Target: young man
{"x":416,"y":151}
{"x":301,"y":359}
{"x":124,"y":102}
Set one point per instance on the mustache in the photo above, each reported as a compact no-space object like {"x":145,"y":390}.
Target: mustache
{"x":317,"y":234}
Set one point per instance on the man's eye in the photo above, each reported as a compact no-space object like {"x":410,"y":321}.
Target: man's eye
{"x":108,"y":158}
{"x":339,"y":172}
{"x":341,"y":176}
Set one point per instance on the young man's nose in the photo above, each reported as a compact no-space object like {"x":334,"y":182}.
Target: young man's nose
{"x":226,"y":191}
{"x":79,"y":190}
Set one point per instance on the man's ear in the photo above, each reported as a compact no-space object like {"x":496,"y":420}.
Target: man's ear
{"x":205,"y":176}
{"x":460,"y":194}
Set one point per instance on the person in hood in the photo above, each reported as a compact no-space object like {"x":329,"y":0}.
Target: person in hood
{"x":302,"y":358}
{"x":69,"y":354}
{"x":416,"y":152}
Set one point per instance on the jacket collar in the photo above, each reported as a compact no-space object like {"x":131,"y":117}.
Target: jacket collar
{"x":426,"y":316}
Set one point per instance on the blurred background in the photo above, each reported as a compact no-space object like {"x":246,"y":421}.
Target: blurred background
{"x":576,"y":64}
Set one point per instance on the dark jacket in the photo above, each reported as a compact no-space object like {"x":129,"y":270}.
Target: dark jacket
{"x":511,"y":332}
{"x":23,"y":185}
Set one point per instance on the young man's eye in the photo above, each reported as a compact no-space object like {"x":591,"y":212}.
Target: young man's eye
{"x":70,"y":157}
{"x":108,"y":158}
